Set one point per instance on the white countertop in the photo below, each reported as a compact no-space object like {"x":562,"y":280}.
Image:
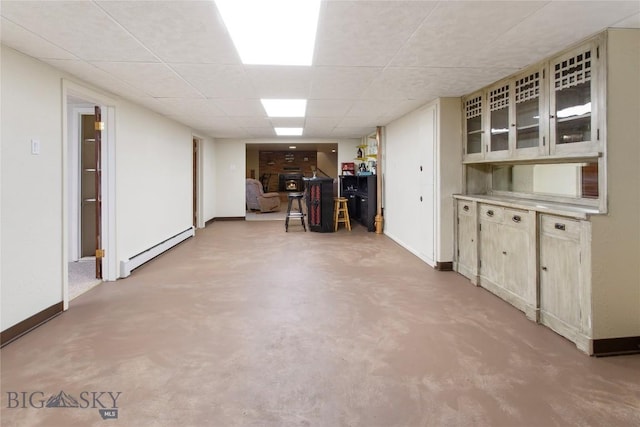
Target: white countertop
{"x":564,"y":209}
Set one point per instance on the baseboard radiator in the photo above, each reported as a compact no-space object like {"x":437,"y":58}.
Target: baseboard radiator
{"x":127,"y":266}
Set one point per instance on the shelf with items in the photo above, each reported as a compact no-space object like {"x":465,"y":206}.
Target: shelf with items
{"x":348,"y":168}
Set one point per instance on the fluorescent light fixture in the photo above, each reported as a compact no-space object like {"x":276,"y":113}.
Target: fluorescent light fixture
{"x":274,"y":32}
{"x":288,"y":132}
{"x":285,"y":107}
{"x":292,"y":147}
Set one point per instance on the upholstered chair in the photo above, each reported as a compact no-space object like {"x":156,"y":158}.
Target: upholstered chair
{"x":258,"y":200}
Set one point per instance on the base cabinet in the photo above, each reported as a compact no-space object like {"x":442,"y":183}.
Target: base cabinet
{"x":360,"y":192}
{"x":466,"y":260}
{"x":539,"y":263}
{"x":564,"y":293}
{"x":507,"y":256}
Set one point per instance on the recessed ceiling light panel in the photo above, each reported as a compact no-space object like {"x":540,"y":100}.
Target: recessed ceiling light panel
{"x":274,"y":32}
{"x":288,"y":131}
{"x":285,"y":107}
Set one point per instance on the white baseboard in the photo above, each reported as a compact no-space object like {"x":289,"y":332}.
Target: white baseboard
{"x":127,"y":266}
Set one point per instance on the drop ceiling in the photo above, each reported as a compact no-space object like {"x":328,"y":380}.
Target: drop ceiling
{"x":374,"y":61}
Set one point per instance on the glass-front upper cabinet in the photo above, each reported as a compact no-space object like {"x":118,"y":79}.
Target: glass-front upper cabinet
{"x":574,"y":101}
{"x":499,"y":120}
{"x":473,"y":108}
{"x":529,"y":101}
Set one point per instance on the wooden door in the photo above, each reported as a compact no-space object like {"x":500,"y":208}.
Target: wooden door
{"x":98,"y":189}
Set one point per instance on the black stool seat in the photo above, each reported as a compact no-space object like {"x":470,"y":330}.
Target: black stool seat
{"x":299,"y":214}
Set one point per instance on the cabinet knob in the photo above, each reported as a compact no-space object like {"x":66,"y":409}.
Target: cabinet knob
{"x":489,"y":213}
{"x":544,"y":268}
{"x":504,"y":252}
{"x":465,"y":208}
{"x":552,"y":116}
{"x":516,"y":218}
{"x":420,"y":168}
{"x":420,"y":198}
{"x":560,"y":226}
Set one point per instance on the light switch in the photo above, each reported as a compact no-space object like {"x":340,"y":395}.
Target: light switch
{"x":35,"y":146}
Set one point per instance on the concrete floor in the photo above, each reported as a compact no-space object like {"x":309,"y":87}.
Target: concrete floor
{"x":246,"y":325}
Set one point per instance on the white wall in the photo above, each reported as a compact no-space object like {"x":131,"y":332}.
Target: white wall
{"x":403,"y":154}
{"x":616,"y":236}
{"x":230,"y":158}
{"x":31,"y":188}
{"x":429,"y":137}
{"x":153,"y":184}
{"x":154,"y":190}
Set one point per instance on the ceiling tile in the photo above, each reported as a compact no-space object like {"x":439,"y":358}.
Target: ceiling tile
{"x":327,"y":107}
{"x":98,"y":77}
{"x":456,"y":29}
{"x":32,"y":44}
{"x":241,"y":107}
{"x":157,"y":80}
{"x":366,"y":33}
{"x":177,"y":31}
{"x":81,"y":27}
{"x":341,"y":82}
{"x":280,"y":82}
{"x":217,"y":81}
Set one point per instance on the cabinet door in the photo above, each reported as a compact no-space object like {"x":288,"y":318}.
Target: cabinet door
{"x":560,"y":275}
{"x":574,"y":101}
{"x":467,"y":252}
{"x":517,"y":254}
{"x":474,"y":127}
{"x":530,"y":131}
{"x":491,"y":242}
{"x":499,"y":118}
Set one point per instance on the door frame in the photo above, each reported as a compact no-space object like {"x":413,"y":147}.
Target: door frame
{"x":198,"y":173}
{"x":108,"y":105}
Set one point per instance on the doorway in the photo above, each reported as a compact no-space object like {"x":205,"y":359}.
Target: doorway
{"x":89,"y":174}
{"x":84,"y":270}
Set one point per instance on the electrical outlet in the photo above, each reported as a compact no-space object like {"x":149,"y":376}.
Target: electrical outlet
{"x":35,"y":146}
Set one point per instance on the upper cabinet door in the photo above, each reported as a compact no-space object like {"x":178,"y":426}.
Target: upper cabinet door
{"x":473,"y":127}
{"x":500,"y":119}
{"x":574,"y":101}
{"x":529,"y":105}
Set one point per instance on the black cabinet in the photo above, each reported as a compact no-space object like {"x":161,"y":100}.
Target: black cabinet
{"x":360,"y":192}
{"x":319,"y":198}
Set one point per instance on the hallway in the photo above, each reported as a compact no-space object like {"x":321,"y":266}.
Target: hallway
{"x":248,"y":325}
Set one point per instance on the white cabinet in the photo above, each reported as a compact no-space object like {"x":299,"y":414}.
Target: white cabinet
{"x":564,"y":285}
{"x":576,"y":101}
{"x":506,"y":254}
{"x":554,"y":108}
{"x":466,"y":260}
{"x":474,"y":126}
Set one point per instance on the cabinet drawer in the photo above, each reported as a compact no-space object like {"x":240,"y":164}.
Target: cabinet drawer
{"x":560,"y":227}
{"x":491,"y":213}
{"x":515,"y":218}
{"x":466,"y":208}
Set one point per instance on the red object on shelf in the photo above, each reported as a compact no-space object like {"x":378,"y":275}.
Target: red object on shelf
{"x":348,"y":168}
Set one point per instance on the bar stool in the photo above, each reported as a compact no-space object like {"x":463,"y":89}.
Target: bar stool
{"x":298,"y":214}
{"x":340,"y":207}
